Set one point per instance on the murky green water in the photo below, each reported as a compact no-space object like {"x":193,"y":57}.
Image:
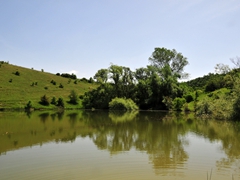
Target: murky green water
{"x":102,"y":145}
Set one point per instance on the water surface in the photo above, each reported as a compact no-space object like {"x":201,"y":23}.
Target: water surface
{"x":117,"y":145}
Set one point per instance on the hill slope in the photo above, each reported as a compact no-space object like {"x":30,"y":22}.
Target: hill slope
{"x":18,"y":85}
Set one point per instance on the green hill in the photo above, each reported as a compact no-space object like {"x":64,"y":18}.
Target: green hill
{"x":18,"y":85}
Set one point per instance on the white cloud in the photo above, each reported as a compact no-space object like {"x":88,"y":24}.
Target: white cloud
{"x":72,"y":72}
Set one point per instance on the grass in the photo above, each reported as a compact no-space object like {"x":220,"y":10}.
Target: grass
{"x":30,"y":85}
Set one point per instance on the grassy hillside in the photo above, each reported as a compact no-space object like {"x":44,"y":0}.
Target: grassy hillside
{"x":30,"y":85}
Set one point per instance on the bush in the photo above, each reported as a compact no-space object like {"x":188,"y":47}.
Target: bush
{"x":53,"y":101}
{"x":60,"y":102}
{"x":53,"y":82}
{"x":189,"y":98}
{"x":73,"y":97}
{"x":122,"y":104}
{"x":61,"y":86}
{"x":29,"y":106}
{"x":236,"y":110}
{"x":84,"y":80}
{"x":186,"y":108}
{"x":178,"y":103}
{"x":44,"y":100}
{"x":17,"y":73}
{"x":90,"y":80}
{"x":203,"y":108}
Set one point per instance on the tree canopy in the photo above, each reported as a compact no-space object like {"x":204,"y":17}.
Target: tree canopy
{"x":163,"y":58}
{"x":146,"y":86}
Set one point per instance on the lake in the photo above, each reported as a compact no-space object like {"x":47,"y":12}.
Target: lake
{"x":117,"y":145}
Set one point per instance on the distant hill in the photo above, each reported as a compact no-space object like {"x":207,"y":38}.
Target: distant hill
{"x":18,"y":85}
{"x":201,"y":82}
{"x":216,"y":80}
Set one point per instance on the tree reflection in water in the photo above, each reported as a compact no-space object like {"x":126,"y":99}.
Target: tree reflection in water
{"x":161,"y":135}
{"x":154,"y":134}
{"x":228,"y":133}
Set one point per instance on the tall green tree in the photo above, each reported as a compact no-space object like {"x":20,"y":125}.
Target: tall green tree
{"x":143,"y":88}
{"x":162,"y":57}
{"x":115,"y":74}
{"x":169,"y":67}
{"x":122,"y":79}
{"x":101,"y":76}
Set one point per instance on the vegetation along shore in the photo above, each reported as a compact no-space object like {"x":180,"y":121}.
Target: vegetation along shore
{"x":158,"y":86}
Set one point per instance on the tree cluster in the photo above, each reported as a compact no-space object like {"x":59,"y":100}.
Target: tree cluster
{"x":146,"y":86}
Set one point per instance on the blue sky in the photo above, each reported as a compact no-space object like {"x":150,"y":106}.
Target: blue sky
{"x":83,"y":36}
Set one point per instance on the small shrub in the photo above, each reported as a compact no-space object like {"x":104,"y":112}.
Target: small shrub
{"x":17,"y":73}
{"x":84,"y":80}
{"x":54,"y":101}
{"x":73,"y":97}
{"x":53,"y":82}
{"x":44,"y":100}
{"x":61,"y":86}
{"x":90,"y":80}
{"x":75,"y":82}
{"x":122,"y":104}
{"x":203,"y":108}
{"x":46,"y":87}
{"x":10,"y":80}
{"x":60,"y":102}
{"x":178,"y":103}
{"x":58,"y":74}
